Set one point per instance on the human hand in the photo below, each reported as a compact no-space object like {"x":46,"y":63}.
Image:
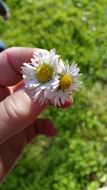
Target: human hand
{"x":18,"y":112}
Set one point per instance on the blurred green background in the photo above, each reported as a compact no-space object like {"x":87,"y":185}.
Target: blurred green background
{"x":77,"y":158}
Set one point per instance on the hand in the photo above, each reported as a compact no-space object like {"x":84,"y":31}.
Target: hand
{"x":18,"y":113}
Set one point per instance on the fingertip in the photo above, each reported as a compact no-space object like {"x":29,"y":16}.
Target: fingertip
{"x":45,"y":127}
{"x":49,"y":128}
{"x":67,"y":103}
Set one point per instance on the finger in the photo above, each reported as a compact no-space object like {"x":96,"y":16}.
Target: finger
{"x":41,"y":127}
{"x":11,"y":61}
{"x":15,"y":147}
{"x":17,"y":111}
{"x":10,"y":64}
{"x":67,"y":103}
{"x":4,"y":92}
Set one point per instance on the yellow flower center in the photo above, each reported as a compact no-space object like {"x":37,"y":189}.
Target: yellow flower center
{"x":44,"y":72}
{"x":66,"y":81}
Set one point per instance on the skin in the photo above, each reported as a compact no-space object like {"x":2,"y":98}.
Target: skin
{"x":19,"y":122}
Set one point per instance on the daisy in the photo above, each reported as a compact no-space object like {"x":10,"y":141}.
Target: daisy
{"x":41,"y":73}
{"x":68,"y":82}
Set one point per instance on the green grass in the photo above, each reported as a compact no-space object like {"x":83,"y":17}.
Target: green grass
{"x":77,"y":157}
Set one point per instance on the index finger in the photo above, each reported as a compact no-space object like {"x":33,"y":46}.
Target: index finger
{"x":11,"y":61}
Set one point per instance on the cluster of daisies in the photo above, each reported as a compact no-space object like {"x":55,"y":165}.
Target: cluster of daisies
{"x":49,"y":79}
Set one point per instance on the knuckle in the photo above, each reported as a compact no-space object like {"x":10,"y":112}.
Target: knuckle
{"x":16,"y":108}
{"x":10,"y":108}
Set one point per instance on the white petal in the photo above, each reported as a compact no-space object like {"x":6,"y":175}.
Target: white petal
{"x":43,"y":87}
{"x":42,"y":100}
{"x":33,"y":62}
{"x":62,"y":100}
{"x":51,"y":55}
{"x":74,"y":72}
{"x":61,"y":67}
{"x":46,"y":93}
{"x":58,"y":102}
{"x":28,"y":71}
{"x":37,"y":94}
{"x":32,"y":84}
{"x":28,"y":65}
{"x":55,"y":83}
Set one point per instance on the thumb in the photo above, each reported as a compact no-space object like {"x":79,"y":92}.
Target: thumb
{"x":16,"y":112}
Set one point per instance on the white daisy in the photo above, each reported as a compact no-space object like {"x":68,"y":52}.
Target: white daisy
{"x":49,"y":79}
{"x":68,"y":82}
{"x":41,"y":73}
